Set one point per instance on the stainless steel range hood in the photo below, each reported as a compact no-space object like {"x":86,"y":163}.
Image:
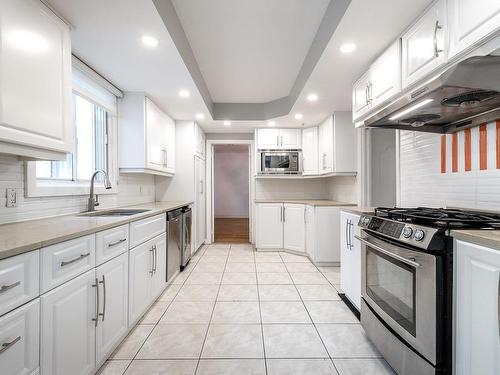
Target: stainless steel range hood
{"x":465,"y":95}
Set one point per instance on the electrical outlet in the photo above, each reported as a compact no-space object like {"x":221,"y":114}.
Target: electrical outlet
{"x":11,"y":198}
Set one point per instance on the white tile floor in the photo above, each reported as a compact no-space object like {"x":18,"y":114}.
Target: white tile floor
{"x":235,"y":311}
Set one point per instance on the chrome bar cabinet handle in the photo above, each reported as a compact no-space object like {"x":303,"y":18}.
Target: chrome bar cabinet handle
{"x":6,"y":345}
{"x":111,"y":244}
{"x":103,"y":282}
{"x":96,"y":286}
{"x":5,"y":288}
{"x":437,"y":27}
{"x":68,"y":262}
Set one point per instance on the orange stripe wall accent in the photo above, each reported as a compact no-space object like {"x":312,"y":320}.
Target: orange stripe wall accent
{"x":467,"y":150}
{"x":483,"y":147}
{"x":443,"y":153}
{"x":498,"y":144}
{"x":454,"y":152}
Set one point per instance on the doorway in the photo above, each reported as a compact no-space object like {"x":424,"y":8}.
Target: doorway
{"x":231,"y":191}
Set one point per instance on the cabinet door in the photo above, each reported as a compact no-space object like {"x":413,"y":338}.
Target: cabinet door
{"x":169,"y":145}
{"x":423,"y":45}
{"x":310,"y":232}
{"x":113,"y":305}
{"x":310,"y":151}
{"x":348,"y":261}
{"x":19,"y":340}
{"x":67,"y":328}
{"x":200,"y":203}
{"x":294,"y":227}
{"x":355,"y":290}
{"x":159,"y":277}
{"x":156,"y":140}
{"x":326,"y":144}
{"x":268,"y":138}
{"x":35,"y":74}
{"x":471,"y":21}
{"x":269,"y":226}
{"x":290,"y":139}
{"x":140,"y":271}
{"x":477,"y":309}
{"x":385,"y":75}
{"x":360,"y":99}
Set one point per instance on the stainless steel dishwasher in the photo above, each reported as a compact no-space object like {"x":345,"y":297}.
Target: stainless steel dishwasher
{"x":174,"y":246}
{"x":187,"y":215}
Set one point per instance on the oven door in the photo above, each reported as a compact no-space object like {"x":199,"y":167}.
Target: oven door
{"x":399,"y":284}
{"x":278,"y":162}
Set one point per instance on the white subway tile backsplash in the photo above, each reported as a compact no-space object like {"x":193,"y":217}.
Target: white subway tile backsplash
{"x":132,"y":189}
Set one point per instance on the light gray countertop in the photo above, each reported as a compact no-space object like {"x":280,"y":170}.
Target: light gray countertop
{"x":310,"y":202}
{"x":484,"y":237}
{"x":360,"y":210}
{"x":18,"y":238}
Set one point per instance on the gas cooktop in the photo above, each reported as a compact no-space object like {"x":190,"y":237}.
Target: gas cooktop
{"x":444,"y":218}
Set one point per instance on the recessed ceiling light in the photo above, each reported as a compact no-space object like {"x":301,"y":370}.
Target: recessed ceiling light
{"x":299,"y":116}
{"x":347,"y":48}
{"x":149,"y":41}
{"x":200,"y":116}
{"x":184,"y":94}
{"x":271,"y":123}
{"x":227,"y":123}
{"x":312,"y":97}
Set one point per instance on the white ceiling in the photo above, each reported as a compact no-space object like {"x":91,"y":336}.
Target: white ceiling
{"x":107,"y":36}
{"x":250,"y":51}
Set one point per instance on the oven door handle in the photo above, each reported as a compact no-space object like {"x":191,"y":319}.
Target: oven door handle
{"x":388,"y":253}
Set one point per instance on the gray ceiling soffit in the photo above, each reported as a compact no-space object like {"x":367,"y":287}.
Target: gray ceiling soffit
{"x":252,"y":111}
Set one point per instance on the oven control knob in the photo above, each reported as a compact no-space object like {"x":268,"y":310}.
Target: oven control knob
{"x":419,"y":235}
{"x":407,"y":232}
{"x":366,"y":220}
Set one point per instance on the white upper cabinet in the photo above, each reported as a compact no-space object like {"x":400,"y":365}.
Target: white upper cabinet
{"x":380,"y":83}
{"x":35,"y":81}
{"x":471,"y":21}
{"x":279,"y":138}
{"x":310,"y":151}
{"x":146,"y":135}
{"x":385,"y":75}
{"x":337,"y":144}
{"x":424,"y":44}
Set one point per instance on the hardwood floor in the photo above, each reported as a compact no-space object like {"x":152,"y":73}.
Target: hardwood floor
{"x":231,"y":230}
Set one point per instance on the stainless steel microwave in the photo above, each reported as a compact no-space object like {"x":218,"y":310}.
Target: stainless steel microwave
{"x":280,"y":162}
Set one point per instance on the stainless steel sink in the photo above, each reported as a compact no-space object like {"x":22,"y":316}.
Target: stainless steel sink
{"x":115,"y":212}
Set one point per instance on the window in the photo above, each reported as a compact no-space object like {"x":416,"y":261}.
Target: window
{"x":94,"y":129}
{"x":90,"y":123}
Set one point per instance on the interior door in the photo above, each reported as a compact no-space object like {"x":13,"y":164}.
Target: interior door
{"x":200,"y":202}
{"x":141,"y":266}
{"x":113,"y":305}
{"x":269,"y":225}
{"x":67,"y":327}
{"x":294,"y":227}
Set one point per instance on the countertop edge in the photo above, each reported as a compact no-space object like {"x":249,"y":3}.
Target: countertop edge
{"x":10,"y":252}
{"x":308,"y":202}
{"x":359,"y":210}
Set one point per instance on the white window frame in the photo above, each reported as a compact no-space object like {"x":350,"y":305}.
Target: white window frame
{"x":36,"y":187}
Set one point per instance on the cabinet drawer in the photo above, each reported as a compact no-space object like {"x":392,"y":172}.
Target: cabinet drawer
{"x":145,"y":229}
{"x":110,"y":243}
{"x":19,"y":340}
{"x":64,"y":261}
{"x":19,"y":280}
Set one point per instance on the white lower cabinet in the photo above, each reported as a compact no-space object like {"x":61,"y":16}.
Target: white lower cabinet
{"x":269,"y":226}
{"x":113,"y":305}
{"x":350,"y":258}
{"x":476,"y":309}
{"x":322,"y":235}
{"x":294,"y":231}
{"x":68,"y":326}
{"x":19,"y":340}
{"x":147,"y":275}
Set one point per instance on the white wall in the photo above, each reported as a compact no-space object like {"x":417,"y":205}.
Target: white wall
{"x":231,"y":181}
{"x":423,"y":184}
{"x":133,"y":189}
{"x":382,"y":169}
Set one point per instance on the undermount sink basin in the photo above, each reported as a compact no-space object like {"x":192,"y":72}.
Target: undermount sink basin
{"x":116,"y":212}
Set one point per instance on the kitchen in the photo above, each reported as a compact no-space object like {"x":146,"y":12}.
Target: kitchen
{"x":370,"y":136}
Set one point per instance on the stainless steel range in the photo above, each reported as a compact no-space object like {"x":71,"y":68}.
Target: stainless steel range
{"x":406,"y":283}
